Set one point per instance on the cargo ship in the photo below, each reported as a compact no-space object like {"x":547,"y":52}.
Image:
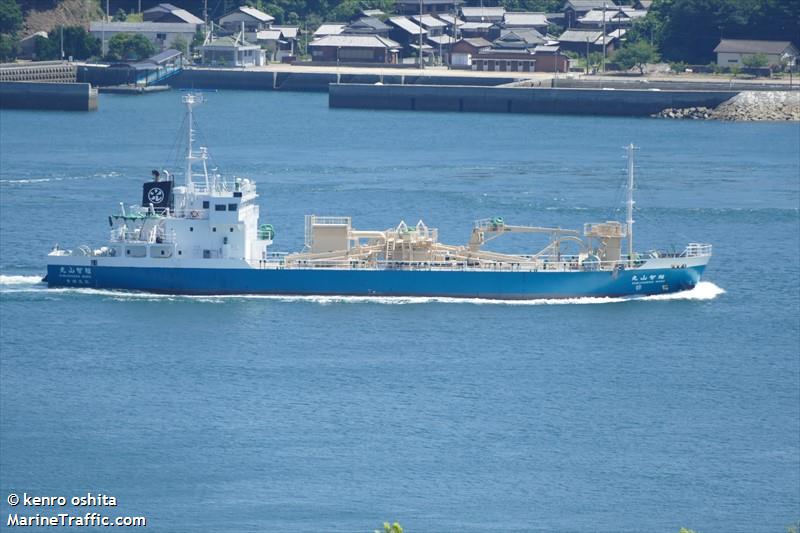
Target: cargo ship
{"x":204,"y":236}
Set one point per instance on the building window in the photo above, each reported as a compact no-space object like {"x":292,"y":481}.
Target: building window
{"x":191,"y":228}
{"x":219,"y":207}
{"x":180,"y":252}
{"x":161,"y":36}
{"x":205,"y":204}
{"x":214,"y":229}
{"x":231,"y":207}
{"x":231,"y":230}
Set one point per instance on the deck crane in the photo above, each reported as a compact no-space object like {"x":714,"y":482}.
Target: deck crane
{"x":488,"y":229}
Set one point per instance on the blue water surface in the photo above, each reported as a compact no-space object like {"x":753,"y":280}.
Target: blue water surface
{"x":326,"y":414}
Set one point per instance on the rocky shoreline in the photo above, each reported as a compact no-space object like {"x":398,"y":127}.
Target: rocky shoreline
{"x":745,"y":106}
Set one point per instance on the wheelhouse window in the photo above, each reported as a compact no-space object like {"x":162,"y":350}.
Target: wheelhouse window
{"x":219,"y":207}
{"x":231,"y":207}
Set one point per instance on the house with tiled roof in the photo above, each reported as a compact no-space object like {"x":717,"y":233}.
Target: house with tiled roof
{"x":169,"y":13}
{"x":731,"y":52}
{"x":575,"y":9}
{"x":354,"y":49}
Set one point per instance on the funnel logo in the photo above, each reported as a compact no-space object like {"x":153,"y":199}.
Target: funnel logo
{"x":155,"y":195}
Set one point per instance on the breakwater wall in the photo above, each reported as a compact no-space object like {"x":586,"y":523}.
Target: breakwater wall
{"x":312,"y":81}
{"x":669,"y":85}
{"x":58,"y":96}
{"x":519,"y":99}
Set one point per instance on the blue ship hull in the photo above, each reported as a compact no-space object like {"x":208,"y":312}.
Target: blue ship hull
{"x":438,"y":283}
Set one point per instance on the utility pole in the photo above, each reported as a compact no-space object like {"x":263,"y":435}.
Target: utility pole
{"x":421,"y":66}
{"x":603,"y":68}
{"x":103,"y":31}
{"x":587,"y":55}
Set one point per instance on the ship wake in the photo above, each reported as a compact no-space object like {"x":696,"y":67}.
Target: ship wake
{"x":705,"y":290}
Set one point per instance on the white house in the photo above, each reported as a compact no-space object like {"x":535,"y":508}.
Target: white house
{"x":730,"y":52}
{"x":251,"y":18}
{"x":232,"y":51}
{"x":161,"y":34}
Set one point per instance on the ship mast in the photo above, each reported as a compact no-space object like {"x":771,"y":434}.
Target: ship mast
{"x":630,"y":148}
{"x":189,"y":100}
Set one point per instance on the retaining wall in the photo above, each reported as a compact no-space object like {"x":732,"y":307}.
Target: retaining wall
{"x":34,"y":95}
{"x":519,"y":100}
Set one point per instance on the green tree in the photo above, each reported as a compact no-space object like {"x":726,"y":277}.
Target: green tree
{"x":127,"y":46}
{"x":182,"y":45}
{"x":10,"y":17}
{"x":688,"y":30}
{"x":120,"y":15}
{"x":198,"y":39}
{"x":78,"y":44}
{"x":636,"y":54}
{"x":755,"y":61}
{"x":8,"y":48}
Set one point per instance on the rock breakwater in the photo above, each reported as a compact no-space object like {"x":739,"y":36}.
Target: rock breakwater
{"x":745,"y":106}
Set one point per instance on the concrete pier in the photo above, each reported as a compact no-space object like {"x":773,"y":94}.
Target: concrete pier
{"x":60,"y":96}
{"x":519,"y":99}
{"x":317,"y":80}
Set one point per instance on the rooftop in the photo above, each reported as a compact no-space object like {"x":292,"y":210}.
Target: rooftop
{"x":580,"y":36}
{"x":597,"y":15}
{"x":529,"y":35}
{"x":366,"y":25}
{"x":441,"y":39}
{"x":288,"y":32}
{"x":252,"y":12}
{"x":329,"y":29}
{"x":176,"y":11}
{"x":476,"y":25}
{"x":229,"y":42}
{"x":355,"y":41}
{"x":478,"y":42}
{"x":450,"y":18}
{"x":164,"y":56}
{"x":743,"y":46}
{"x":512,"y":18}
{"x":142,"y":27}
{"x":483,"y":12}
{"x":586,"y":5}
{"x":415,"y":3}
{"x":429,"y":21}
{"x":268,"y":35}
{"x":407,"y":25}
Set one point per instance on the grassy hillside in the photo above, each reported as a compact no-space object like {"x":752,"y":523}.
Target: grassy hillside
{"x":46,"y":15}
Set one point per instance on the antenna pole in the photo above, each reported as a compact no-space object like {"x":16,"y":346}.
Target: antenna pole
{"x":630,"y":202}
{"x":189,"y":100}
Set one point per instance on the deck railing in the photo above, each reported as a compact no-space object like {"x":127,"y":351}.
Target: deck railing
{"x":566,"y":263}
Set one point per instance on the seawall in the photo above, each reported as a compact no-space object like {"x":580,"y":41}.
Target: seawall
{"x":519,"y":99}
{"x":38,"y":95}
{"x":260,"y":80}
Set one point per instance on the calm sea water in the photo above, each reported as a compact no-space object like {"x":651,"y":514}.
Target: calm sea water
{"x":327,"y":414}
